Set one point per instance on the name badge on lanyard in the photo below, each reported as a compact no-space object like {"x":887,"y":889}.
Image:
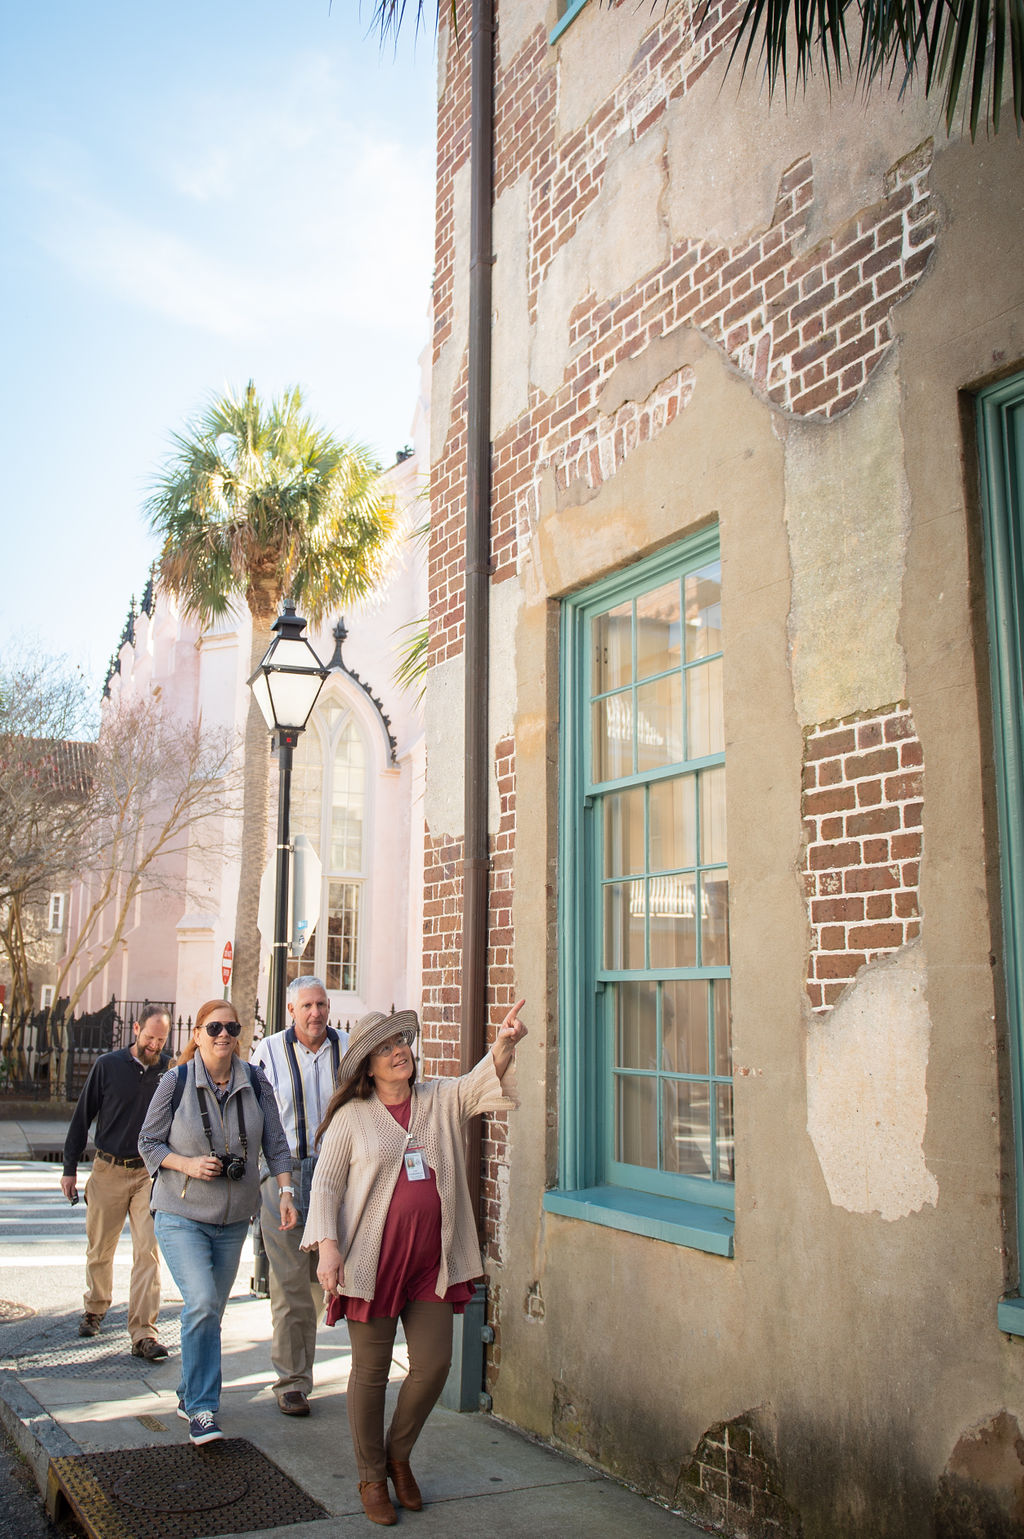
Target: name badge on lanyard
{"x":415,"y":1164}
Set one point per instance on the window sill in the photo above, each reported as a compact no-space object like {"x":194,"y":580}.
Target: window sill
{"x":659,"y":1218}
{"x":1010,"y":1316}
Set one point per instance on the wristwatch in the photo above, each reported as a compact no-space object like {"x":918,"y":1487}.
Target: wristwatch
{"x":289,"y":1190}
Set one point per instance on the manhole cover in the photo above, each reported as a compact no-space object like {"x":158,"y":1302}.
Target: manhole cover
{"x":168,"y":1493}
{"x":189,"y":1490}
{"x":10,"y":1312}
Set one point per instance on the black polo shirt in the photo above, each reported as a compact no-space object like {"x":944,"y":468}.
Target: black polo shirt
{"x":116,"y":1097}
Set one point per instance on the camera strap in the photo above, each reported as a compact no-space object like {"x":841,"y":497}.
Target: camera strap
{"x":205,"y":1114}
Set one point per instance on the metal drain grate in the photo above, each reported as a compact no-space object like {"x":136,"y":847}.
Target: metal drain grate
{"x":178,"y":1493}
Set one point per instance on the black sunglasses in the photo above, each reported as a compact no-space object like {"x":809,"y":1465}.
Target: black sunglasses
{"x":214,"y":1028}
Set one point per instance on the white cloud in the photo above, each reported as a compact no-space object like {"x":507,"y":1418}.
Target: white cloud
{"x":259,"y":217}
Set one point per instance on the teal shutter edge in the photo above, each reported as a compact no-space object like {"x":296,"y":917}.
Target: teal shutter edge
{"x":1000,"y":428}
{"x":583,"y":1119}
{"x":570,"y":13}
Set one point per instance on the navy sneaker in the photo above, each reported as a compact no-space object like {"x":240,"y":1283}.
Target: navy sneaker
{"x":203,"y":1428}
{"x":182,"y":1411}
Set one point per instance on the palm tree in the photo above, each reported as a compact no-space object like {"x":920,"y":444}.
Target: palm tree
{"x":949,"y":39}
{"x":256,"y":504}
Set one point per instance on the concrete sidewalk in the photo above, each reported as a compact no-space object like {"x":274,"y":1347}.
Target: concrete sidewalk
{"x":64,"y":1396}
{"x":33,"y":1138}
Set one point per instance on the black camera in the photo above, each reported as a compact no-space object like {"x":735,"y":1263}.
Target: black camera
{"x":234,"y":1167}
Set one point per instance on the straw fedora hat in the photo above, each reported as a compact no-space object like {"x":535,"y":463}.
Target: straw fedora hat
{"x":369,"y":1032}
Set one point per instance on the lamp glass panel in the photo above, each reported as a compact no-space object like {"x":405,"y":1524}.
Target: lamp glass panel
{"x":293,"y":696}
{"x":291,"y":652}
{"x":261,"y":691}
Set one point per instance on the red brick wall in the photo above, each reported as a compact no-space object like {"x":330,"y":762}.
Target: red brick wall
{"x":862,"y":807}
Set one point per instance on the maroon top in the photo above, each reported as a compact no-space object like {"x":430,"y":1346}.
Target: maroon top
{"x":410,"y":1249}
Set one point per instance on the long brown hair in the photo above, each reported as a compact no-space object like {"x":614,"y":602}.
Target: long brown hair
{"x":203,"y":1014}
{"x":359,"y":1088}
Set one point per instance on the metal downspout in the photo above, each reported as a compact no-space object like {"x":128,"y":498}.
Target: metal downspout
{"x":478,"y":530}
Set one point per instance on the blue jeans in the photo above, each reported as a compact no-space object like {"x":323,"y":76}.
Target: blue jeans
{"x":203,"y":1260}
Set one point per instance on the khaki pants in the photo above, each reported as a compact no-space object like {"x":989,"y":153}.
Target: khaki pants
{"x":113,"y":1194}
{"x":296,"y":1298}
{"x":428,"y":1335}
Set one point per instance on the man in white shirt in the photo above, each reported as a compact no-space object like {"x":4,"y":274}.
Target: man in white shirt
{"x":301,"y":1063}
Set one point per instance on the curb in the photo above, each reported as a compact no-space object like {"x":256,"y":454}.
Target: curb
{"x":32,"y":1429}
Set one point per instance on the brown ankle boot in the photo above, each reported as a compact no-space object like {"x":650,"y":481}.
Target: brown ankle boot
{"x":376,"y":1502}
{"x":404,"y":1482}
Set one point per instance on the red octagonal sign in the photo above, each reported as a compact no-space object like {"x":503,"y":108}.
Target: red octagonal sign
{"x":225,"y":964}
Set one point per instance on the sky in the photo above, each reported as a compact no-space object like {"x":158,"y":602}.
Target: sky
{"x":192,"y":194}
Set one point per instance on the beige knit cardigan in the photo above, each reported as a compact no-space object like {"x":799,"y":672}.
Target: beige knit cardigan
{"x":360,"y":1160}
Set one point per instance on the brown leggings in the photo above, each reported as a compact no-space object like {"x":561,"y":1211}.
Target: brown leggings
{"x":428,"y":1335}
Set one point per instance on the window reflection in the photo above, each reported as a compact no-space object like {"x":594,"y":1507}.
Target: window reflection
{"x":684,"y":1032}
{"x":687,"y":1128}
{"x":658,"y":631}
{"x":673,"y":840}
{"x":625,"y":912}
{"x":624,"y":832}
{"x":636,"y":1121}
{"x":704,"y":611}
{"x":636,"y":1026}
{"x":612,"y":649}
{"x":613,"y":737}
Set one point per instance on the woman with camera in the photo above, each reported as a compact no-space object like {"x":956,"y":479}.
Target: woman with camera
{"x":201,"y":1139}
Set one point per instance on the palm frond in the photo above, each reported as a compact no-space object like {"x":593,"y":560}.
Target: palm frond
{"x":963,"y":48}
{"x":412,"y":649}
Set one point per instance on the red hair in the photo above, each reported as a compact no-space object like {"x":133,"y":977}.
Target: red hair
{"x":203,"y":1014}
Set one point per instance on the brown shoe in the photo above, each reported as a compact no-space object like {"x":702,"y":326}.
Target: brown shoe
{"x":149,"y":1348}
{"x":404,"y":1482}
{"x":89,"y":1325}
{"x":293,"y":1403}
{"x":376,"y":1502}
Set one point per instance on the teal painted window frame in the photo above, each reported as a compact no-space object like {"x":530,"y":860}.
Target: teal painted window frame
{"x":1000,"y":427}
{"x":572,"y":10}
{"x":680,"y":1210}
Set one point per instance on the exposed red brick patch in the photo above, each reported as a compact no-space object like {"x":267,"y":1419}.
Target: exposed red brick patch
{"x":863,"y":845}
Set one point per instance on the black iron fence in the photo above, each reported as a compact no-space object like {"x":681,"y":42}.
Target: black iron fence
{"x":44,"y":1056}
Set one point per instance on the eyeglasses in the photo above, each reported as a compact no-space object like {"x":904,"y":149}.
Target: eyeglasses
{"x":389,"y":1046}
{"x":214,"y":1028}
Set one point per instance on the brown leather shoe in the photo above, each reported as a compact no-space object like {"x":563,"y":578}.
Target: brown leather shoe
{"x":404,"y":1482}
{"x":89,"y":1325}
{"x":376,"y":1502}
{"x":293,"y":1403}
{"x":149,"y":1348}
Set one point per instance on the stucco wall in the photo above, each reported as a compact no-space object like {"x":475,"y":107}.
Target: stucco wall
{"x":855,"y":1328}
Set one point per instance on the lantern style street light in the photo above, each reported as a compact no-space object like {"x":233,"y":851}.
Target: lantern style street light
{"x":286,"y":684}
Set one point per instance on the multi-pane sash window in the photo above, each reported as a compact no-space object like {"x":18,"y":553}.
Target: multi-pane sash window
{"x":1000,"y":418}
{"x":644,"y":884}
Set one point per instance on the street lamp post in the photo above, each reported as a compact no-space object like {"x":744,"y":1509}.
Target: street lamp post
{"x":286,"y":684}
